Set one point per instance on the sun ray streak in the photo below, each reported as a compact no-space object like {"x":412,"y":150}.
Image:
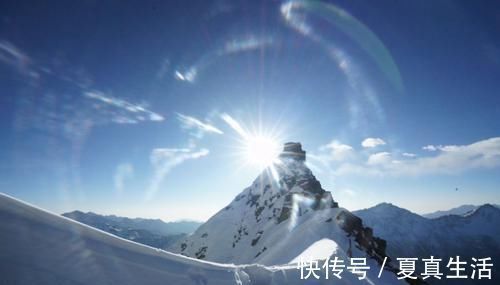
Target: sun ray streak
{"x":258,"y":147}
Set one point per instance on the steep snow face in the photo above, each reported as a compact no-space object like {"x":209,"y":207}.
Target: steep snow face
{"x":37,"y":247}
{"x":258,"y":219}
{"x":278,"y":218}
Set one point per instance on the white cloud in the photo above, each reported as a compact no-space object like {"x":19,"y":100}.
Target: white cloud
{"x":349,"y":192}
{"x":453,"y":159}
{"x":165,"y":159}
{"x":11,"y":54}
{"x":449,"y":147}
{"x":379,"y":158}
{"x":372,"y":142}
{"x":408,"y":154}
{"x":234,"y":125}
{"x":337,"y":150}
{"x":430,"y":148}
{"x":70,"y":108}
{"x":17,"y":59}
{"x":247,"y":43}
{"x":448,"y":159}
{"x":190,"y":123}
{"x":129,"y":113}
{"x":441,"y":147}
{"x":123,"y":172}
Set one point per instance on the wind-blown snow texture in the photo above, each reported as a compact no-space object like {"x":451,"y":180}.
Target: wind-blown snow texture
{"x":280,"y":216}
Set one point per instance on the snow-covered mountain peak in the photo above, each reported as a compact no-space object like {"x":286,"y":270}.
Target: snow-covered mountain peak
{"x":485,"y":211}
{"x":281,"y":216}
{"x":286,"y":186}
{"x":388,"y":211}
{"x":39,"y":247}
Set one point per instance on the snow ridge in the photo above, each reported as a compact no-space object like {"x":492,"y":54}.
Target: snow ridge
{"x":279,"y":217}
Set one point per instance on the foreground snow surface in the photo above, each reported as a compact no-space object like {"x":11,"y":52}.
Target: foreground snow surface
{"x":37,"y":247}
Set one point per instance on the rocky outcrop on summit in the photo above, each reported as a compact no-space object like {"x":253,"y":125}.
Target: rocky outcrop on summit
{"x":275,"y":220}
{"x":294,"y":151}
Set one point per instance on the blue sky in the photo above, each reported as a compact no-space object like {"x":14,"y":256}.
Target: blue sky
{"x":130,"y":107}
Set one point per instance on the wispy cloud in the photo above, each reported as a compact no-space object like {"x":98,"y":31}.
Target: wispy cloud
{"x":71,"y":107}
{"x":234,"y":125}
{"x":448,"y":159}
{"x":17,"y":59}
{"x":440,"y":147}
{"x":131,"y":113}
{"x":453,"y":159}
{"x":408,"y":154}
{"x":379,"y":158}
{"x":165,"y":159}
{"x":123,"y":172}
{"x":192,"y":123}
{"x":12,"y":55}
{"x":338,"y":151}
{"x":430,"y":148}
{"x":372,"y":142}
{"x":246,"y":43}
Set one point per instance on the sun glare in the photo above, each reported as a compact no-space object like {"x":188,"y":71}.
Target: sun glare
{"x":261,"y":151}
{"x":257,"y":146}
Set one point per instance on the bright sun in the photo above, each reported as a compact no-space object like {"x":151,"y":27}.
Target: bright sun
{"x":258,"y":147}
{"x":260,"y":150}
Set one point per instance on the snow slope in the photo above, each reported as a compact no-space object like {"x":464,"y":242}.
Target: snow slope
{"x":278,"y":218}
{"x":38,"y":247}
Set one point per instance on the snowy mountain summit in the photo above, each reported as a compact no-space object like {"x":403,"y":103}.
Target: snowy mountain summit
{"x":284,"y":215}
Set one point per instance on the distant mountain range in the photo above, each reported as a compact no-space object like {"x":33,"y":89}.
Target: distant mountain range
{"x":473,"y":234}
{"x":152,"y":232}
{"x":460,"y":211}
